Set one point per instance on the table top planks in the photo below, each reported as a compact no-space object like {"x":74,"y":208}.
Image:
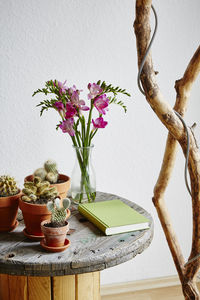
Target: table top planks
{"x":90,"y":249}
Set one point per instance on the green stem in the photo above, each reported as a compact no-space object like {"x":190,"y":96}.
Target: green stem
{"x":88,"y":125}
{"x":82,"y":119}
{"x":77,"y":137}
{"x":92,"y":134}
{"x":83,"y":163}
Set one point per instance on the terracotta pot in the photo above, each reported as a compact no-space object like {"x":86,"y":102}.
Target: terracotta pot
{"x":62,"y":187}
{"x":54,"y":236}
{"x":8,"y":212}
{"x":33,"y":215}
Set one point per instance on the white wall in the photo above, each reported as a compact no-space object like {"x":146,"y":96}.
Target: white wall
{"x":83,"y":41}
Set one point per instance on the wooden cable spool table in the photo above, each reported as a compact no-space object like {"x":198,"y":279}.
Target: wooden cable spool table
{"x":28,"y":272}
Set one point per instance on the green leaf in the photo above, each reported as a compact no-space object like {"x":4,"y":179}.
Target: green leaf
{"x":99,"y":82}
{"x":58,"y":125}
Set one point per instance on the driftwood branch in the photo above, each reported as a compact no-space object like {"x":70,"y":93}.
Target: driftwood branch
{"x":176,"y":133}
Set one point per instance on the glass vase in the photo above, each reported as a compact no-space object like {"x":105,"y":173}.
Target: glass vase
{"x":83,"y":179}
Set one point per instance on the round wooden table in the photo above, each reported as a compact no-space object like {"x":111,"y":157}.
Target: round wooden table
{"x":28,"y":272}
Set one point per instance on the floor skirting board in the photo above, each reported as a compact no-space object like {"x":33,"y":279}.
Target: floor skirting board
{"x":149,"y":289}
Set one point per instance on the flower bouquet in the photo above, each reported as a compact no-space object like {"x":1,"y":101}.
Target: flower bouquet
{"x":71,"y":108}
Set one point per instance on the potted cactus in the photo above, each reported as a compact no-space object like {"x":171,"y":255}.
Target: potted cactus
{"x":56,"y":229}
{"x":36,"y":195}
{"x":50,"y":173}
{"x":9,"y":202}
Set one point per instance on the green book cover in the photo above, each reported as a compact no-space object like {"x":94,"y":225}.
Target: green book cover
{"x":113,"y":216}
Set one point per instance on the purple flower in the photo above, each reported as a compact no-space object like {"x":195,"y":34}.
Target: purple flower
{"x":75,"y":98}
{"x":94,"y":89}
{"x":59,"y":105}
{"x":99,"y":123}
{"x":72,"y":89}
{"x":67,"y":126}
{"x":101,"y":104}
{"x":84,"y":107}
{"x":62,"y":87}
{"x":77,"y":102}
{"x":70,"y":110}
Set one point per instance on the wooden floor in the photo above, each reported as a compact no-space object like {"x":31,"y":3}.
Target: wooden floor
{"x":167,"y":293}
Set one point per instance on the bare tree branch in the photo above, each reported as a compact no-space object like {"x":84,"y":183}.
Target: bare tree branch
{"x":176,"y":132}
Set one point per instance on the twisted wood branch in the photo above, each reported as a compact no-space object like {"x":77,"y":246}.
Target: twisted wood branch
{"x":176,"y":133}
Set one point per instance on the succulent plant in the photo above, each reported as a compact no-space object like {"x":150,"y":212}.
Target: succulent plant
{"x":49,"y":172}
{"x":38,"y":191}
{"x":52,"y":177}
{"x":8,"y":186}
{"x":59,"y":213}
{"x":41,"y":172}
{"x":51,"y":166}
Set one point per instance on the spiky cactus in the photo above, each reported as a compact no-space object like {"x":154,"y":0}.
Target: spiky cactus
{"x":51,"y":166}
{"x":41,"y":172}
{"x":49,"y":172}
{"x":38,"y":192}
{"x":8,"y":186}
{"x":51,"y":177}
{"x":59,"y":213}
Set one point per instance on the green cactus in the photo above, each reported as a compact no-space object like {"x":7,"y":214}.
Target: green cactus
{"x":59,"y":213}
{"x":51,"y":166}
{"x":41,"y":172}
{"x":52,"y":177}
{"x":38,"y":192}
{"x":8,"y":186}
{"x":49,"y":172}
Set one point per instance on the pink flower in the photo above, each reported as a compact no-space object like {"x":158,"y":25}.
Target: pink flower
{"x":99,"y":123}
{"x":67,"y":126}
{"x":83,"y":106}
{"x":59,"y":105}
{"x":75,"y":98}
{"x":77,"y":102}
{"x":101,"y":104}
{"x":94,"y":89}
{"x":70,"y":110}
{"x":72,"y":89}
{"x":62,"y":87}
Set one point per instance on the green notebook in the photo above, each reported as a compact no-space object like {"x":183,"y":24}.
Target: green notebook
{"x":113,"y":216}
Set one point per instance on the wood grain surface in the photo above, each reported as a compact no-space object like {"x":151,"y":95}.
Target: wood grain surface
{"x":90,"y":249}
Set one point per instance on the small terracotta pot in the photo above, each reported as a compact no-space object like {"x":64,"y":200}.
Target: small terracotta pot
{"x":33,"y":215}
{"x":62,"y":187}
{"x":8,"y":212}
{"x":54,"y":236}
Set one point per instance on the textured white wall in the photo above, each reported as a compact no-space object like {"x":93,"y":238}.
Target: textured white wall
{"x":83,"y":41}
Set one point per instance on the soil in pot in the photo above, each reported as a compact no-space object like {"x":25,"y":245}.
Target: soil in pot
{"x":8,"y":212}
{"x":54,"y":236}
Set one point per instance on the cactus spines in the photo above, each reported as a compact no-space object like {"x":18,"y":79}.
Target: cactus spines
{"x":43,"y":187}
{"x":30,"y":186}
{"x":26,"y":198}
{"x":37,"y":181}
{"x":66,"y":203}
{"x":49,"y":172}
{"x":52,"y":177}
{"x":41,"y":172}
{"x":51,"y":166}
{"x":38,"y":192}
{"x":8,"y":186}
{"x":52,"y":171}
{"x":59,"y":213}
